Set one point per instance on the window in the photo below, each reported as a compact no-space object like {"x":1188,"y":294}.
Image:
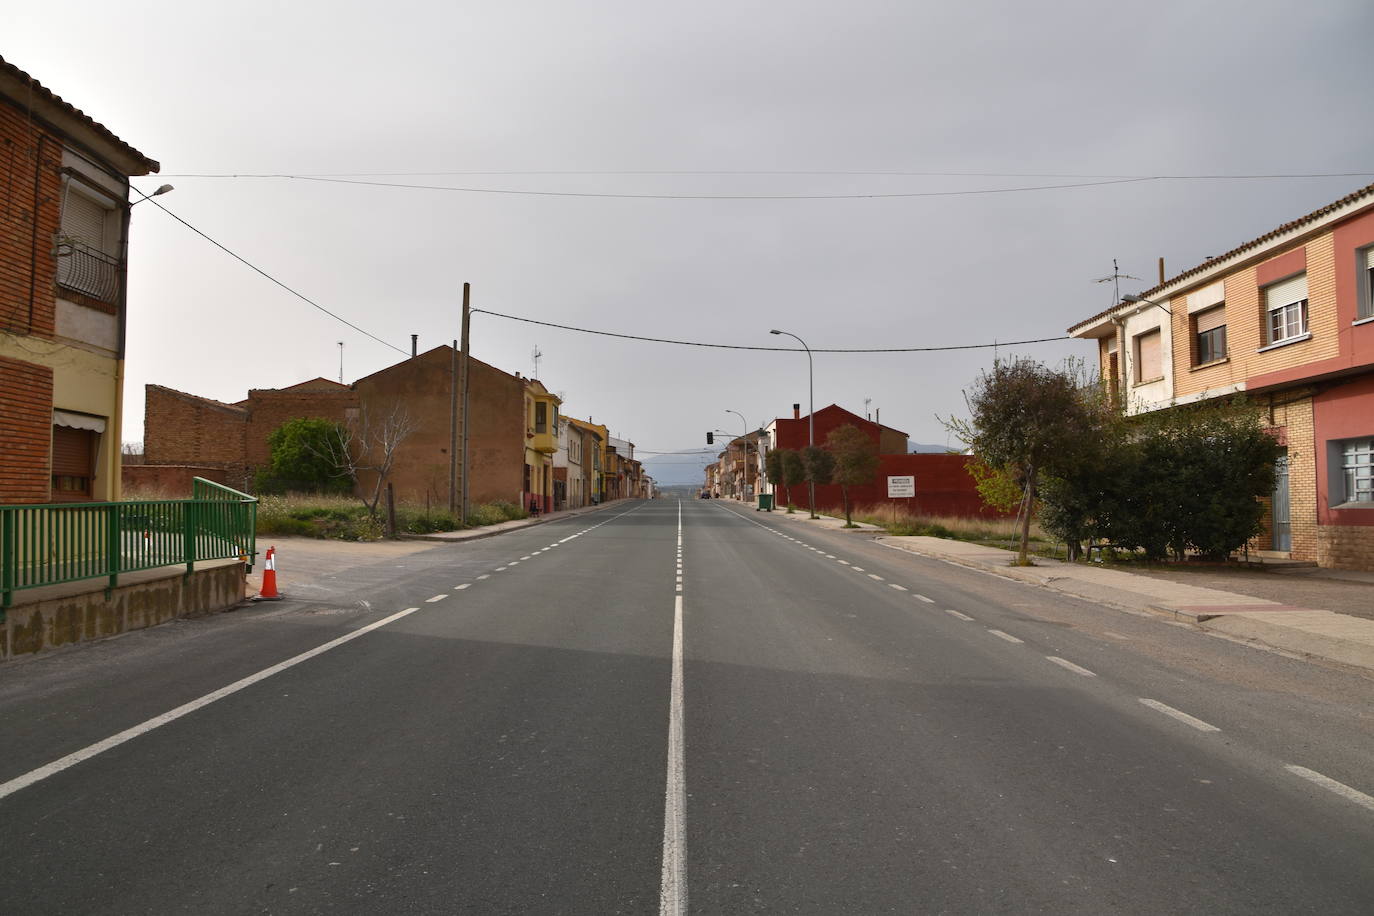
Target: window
{"x":1286,"y":303}
{"x":1209,"y":328}
{"x":1148,"y":358}
{"x":1358,"y":470}
{"x":1365,"y":260}
{"x":73,"y":464}
{"x":541,"y":417}
{"x":87,"y":244}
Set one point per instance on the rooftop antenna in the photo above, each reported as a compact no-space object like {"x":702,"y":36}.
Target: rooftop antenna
{"x":341,"y":362}
{"x":867,"y":415}
{"x":536,"y":355}
{"x":1115,"y":280}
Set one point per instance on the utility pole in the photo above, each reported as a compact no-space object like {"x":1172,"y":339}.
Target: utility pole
{"x":453,"y":385}
{"x":463,"y":383}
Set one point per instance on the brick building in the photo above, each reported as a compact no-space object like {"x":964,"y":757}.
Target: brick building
{"x":943,"y":484}
{"x":186,"y":429}
{"x":1287,"y":318}
{"x":63,"y":257}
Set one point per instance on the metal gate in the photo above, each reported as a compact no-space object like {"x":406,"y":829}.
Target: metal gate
{"x":1282,"y":528}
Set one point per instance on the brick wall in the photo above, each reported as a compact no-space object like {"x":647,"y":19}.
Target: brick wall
{"x":26,"y":431}
{"x":269,"y":408}
{"x":167,"y":481}
{"x":1346,"y":546}
{"x":28,"y":224}
{"x":182,"y":429}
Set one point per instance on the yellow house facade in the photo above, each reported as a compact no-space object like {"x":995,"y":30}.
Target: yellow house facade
{"x":541,"y":442}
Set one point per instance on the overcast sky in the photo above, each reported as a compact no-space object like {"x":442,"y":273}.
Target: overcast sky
{"x":1036,"y":92}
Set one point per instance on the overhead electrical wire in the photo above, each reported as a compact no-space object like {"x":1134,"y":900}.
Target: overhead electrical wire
{"x":626,"y":196}
{"x":263,"y":273}
{"x":720,"y":346}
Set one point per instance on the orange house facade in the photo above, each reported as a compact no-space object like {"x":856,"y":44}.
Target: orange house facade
{"x":1288,"y":319}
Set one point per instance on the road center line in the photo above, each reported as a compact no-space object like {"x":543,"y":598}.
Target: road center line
{"x":672,"y":895}
{"x":959,"y":614}
{"x":86,"y":753}
{"x":1180,"y":716}
{"x":459,"y":588}
{"x":1007,"y":636}
{"x":435,"y":598}
{"x":900,"y":588}
{"x":919,"y":597}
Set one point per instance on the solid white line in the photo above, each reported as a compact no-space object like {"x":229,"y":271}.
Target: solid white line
{"x":900,"y":588}
{"x":919,"y":597}
{"x":1007,"y":636}
{"x":1340,"y":788}
{"x":954,"y":613}
{"x":672,"y":895}
{"x":86,"y":753}
{"x":435,"y":598}
{"x":1066,"y":664}
{"x":459,"y":588}
{"x":1180,"y":716}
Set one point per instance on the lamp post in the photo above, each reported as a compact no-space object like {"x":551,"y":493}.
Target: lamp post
{"x":162,"y":189}
{"x":811,"y":405}
{"x":744,"y":486}
{"x":1133,"y":298}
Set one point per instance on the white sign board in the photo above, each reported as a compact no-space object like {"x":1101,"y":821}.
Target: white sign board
{"x":901,"y":487}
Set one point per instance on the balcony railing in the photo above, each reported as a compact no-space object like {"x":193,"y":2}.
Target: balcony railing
{"x":87,"y":270}
{"x":54,"y":543}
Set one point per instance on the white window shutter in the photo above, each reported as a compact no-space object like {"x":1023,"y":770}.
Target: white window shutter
{"x":1286,"y":292}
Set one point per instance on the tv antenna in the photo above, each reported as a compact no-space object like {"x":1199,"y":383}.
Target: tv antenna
{"x":1114,"y":279}
{"x":536,"y":355}
{"x":867,"y":415}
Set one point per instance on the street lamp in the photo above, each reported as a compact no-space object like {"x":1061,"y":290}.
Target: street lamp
{"x":811,"y":417}
{"x":1133,"y":298}
{"x":744,"y":486}
{"x":163,"y":189}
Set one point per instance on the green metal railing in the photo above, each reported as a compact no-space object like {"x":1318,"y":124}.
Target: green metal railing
{"x":53,"y":543}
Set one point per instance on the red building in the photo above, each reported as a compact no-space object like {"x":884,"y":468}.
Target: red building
{"x":943,"y":484}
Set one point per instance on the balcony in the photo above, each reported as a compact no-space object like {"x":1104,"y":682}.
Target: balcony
{"x":88,"y":270}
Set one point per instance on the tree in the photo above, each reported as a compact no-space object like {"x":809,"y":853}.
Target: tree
{"x":366,"y":448}
{"x":1028,"y":419}
{"x":793,"y":472}
{"x":818,"y":465}
{"x":302,"y":461}
{"x":856,"y":461}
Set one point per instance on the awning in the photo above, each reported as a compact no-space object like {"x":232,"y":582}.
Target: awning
{"x":78,"y":421}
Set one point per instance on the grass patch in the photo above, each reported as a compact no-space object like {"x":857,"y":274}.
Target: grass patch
{"x":495,"y":513}
{"x":316,"y":516}
{"x":992,"y":532}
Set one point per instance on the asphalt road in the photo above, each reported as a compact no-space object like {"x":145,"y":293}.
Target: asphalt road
{"x":682,"y":708}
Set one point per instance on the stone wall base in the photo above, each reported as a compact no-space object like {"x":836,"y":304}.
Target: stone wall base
{"x":1346,"y":546}
{"x":48,"y":623}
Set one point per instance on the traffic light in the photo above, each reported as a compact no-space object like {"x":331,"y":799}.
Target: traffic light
{"x":710,"y":438}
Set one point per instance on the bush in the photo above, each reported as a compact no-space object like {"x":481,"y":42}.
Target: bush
{"x":416,"y":521}
{"x":301,"y":461}
{"x":495,"y":513}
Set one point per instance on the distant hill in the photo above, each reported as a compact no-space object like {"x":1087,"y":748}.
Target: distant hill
{"x":923,"y":448}
{"x":678,"y":470}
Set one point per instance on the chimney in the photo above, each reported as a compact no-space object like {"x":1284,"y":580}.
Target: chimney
{"x":796,"y":411}
{"x":1161,"y":271}
{"x":414,"y":345}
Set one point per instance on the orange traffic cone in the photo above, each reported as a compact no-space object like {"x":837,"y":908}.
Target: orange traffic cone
{"x":268,"y":592}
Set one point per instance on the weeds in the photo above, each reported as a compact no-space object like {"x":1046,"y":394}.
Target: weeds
{"x":990,"y":531}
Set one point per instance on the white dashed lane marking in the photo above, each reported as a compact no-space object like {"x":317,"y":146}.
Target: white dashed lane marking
{"x":959,"y":614}
{"x":459,"y":588}
{"x":875,"y":576}
{"x":900,"y":588}
{"x":1007,"y":636}
{"x":1070,"y":666}
{"x":1180,"y":716}
{"x":435,"y":598}
{"x":920,"y":597}
{"x":1340,"y":788}
{"x":484,"y":576}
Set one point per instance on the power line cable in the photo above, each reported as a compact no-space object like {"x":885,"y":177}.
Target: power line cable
{"x":268,"y":276}
{"x":626,"y":196}
{"x":720,"y":346}
{"x":778,"y":172}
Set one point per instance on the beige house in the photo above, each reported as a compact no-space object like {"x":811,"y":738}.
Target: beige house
{"x":63,"y":303}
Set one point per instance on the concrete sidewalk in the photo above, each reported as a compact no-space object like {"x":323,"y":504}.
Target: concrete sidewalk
{"x":1289,"y":628}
